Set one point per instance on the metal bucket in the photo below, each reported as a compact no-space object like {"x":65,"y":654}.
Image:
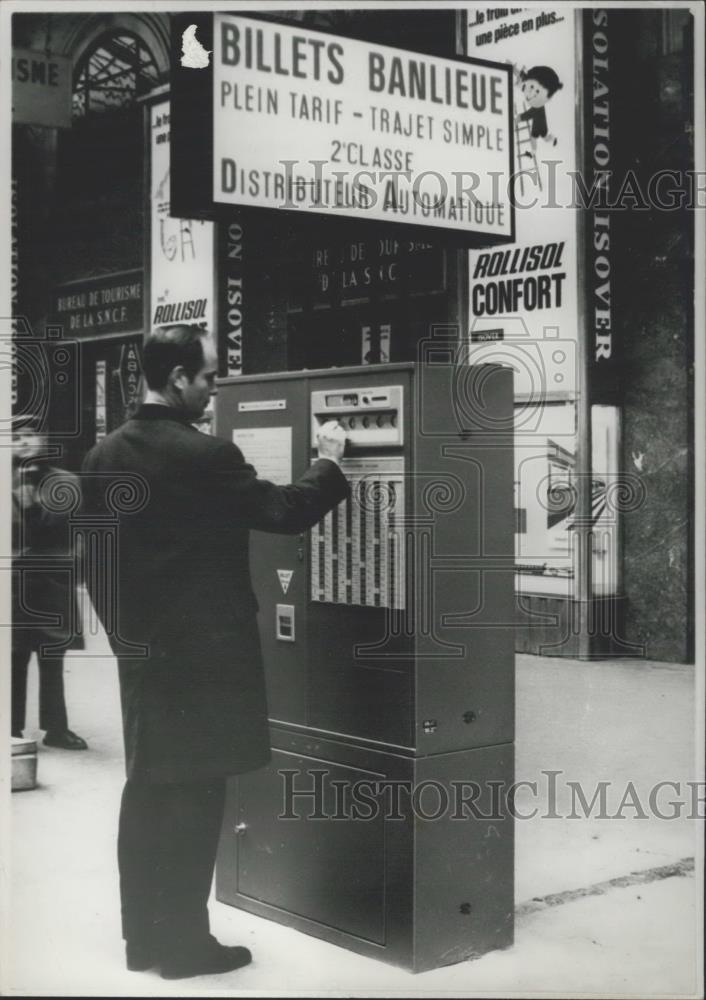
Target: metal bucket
{"x":24,"y":764}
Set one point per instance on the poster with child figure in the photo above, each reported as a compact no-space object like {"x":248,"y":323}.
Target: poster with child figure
{"x":538,"y":86}
{"x":530,"y":288}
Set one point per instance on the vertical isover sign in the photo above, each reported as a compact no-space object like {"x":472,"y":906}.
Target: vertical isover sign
{"x":597,"y":193}
{"x":230,"y":294}
{"x":308,"y":121}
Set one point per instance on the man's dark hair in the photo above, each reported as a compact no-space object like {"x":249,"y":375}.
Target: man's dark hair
{"x":168,"y":347}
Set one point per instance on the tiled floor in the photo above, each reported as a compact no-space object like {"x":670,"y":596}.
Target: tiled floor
{"x":626,"y":723}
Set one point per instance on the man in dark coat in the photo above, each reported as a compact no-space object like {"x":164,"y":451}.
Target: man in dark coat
{"x":193,"y":701}
{"x":44,"y":605}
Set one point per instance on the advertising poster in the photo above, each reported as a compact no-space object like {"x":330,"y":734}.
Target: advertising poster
{"x":523,"y":307}
{"x":101,"y":393}
{"x":602,"y":244}
{"x":182,"y":256}
{"x":545,"y":501}
{"x":529,"y":288}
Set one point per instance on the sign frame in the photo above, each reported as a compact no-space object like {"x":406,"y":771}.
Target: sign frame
{"x":30,"y":99}
{"x":130,"y":276}
{"x":192,"y":146}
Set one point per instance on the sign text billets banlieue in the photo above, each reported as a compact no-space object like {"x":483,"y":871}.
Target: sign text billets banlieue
{"x":308,"y":121}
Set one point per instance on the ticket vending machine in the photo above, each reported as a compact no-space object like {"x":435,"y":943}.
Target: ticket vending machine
{"x":382,"y":821}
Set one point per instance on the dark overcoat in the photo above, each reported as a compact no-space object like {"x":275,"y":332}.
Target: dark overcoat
{"x":194,"y":703}
{"x":45,"y":610}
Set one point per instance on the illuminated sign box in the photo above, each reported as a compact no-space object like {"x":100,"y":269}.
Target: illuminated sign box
{"x":307,"y":121}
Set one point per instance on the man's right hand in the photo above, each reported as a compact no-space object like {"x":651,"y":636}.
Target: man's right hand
{"x":331,"y":440}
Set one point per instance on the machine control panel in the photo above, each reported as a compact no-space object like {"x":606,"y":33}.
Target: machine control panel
{"x":372,"y":418}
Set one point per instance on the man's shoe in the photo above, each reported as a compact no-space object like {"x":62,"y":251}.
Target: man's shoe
{"x":65,"y":741}
{"x":139,"y":957}
{"x":213,"y":958}
{"x":17,"y":734}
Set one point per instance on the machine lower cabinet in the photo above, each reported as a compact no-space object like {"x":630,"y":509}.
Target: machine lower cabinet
{"x":405,"y":859}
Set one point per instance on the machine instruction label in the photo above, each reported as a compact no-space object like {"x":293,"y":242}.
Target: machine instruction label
{"x":262,"y":404}
{"x":269,"y":449}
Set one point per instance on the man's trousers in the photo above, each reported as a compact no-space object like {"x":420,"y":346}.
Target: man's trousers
{"x":167,"y":843}
{"x":52,"y":705}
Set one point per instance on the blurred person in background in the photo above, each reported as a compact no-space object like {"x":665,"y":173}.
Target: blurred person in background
{"x":44,"y":600}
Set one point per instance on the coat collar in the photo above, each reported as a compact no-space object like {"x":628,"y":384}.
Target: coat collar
{"x":157,"y":411}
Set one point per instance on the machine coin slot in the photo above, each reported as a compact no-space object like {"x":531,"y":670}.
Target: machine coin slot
{"x":285,"y":622}
{"x":372,"y":420}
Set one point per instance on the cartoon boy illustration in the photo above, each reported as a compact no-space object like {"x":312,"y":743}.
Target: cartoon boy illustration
{"x":538,"y":85}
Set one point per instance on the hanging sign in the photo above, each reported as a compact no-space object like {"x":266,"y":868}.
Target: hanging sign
{"x":107,"y":305}
{"x":313,"y":122}
{"x":41,"y":89}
